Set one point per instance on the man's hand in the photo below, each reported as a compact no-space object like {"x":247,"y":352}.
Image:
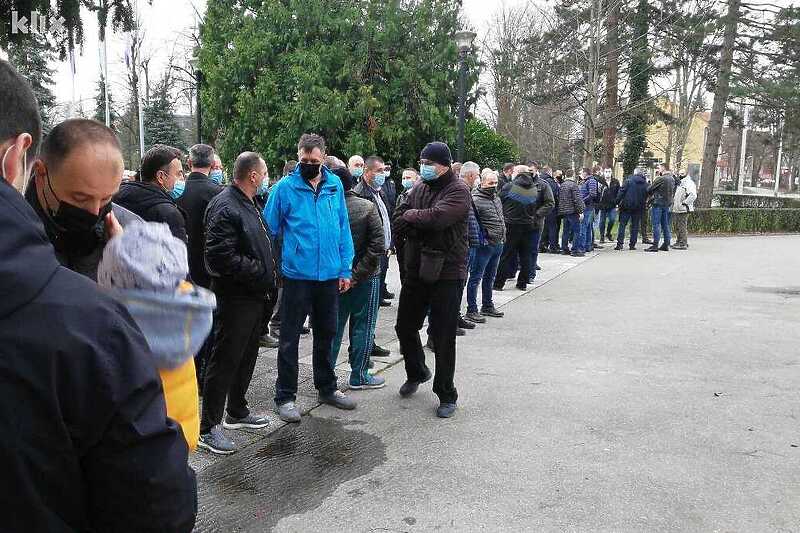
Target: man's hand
{"x":113,"y":227}
{"x":580,"y":217}
{"x":344,"y":285}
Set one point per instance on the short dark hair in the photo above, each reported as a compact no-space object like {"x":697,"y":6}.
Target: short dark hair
{"x":72,"y":134}
{"x":245,"y":164}
{"x":586,"y":170}
{"x":309,"y":141}
{"x":20,"y":112}
{"x":508,"y":166}
{"x":372,"y":161}
{"x":201,"y":156}
{"x":289,"y":167}
{"x":155,"y":159}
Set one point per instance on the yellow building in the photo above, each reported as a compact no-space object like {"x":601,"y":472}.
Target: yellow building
{"x":658,"y":142}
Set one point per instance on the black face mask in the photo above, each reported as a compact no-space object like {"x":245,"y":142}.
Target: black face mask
{"x":78,"y":231}
{"x":491,"y":191}
{"x":309,"y":171}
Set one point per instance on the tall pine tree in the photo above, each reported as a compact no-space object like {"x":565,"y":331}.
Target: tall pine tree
{"x":639,"y":109}
{"x":32,"y":58}
{"x":100,"y":104}
{"x":160,"y":126}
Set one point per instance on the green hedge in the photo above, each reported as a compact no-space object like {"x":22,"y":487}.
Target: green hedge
{"x":750,"y":220}
{"x":753,"y":200}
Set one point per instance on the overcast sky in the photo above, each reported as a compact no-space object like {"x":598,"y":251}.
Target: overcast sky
{"x":163,"y":21}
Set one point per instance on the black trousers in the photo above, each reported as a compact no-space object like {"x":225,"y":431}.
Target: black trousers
{"x":440,"y":301}
{"x":320,"y":299}
{"x":635,"y":218}
{"x":229,"y":369}
{"x":518,"y":243}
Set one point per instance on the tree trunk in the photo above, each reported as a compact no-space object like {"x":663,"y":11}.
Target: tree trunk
{"x":722,"y":90}
{"x":612,"y":86}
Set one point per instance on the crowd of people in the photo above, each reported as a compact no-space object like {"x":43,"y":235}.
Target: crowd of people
{"x":124,"y":302}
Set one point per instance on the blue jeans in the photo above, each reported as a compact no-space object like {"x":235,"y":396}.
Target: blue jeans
{"x":608,"y":217}
{"x":482,"y":271}
{"x":661,"y":219}
{"x":536,"y":238}
{"x":570,"y":234}
{"x":635,"y":218}
{"x":587,"y":230}
{"x":300,"y":298}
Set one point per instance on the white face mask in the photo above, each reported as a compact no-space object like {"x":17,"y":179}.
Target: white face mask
{"x":25,"y":174}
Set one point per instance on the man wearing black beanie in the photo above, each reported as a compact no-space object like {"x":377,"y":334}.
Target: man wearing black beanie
{"x":433,"y":221}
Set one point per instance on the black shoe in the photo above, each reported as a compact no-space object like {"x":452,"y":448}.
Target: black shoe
{"x":555,"y":250}
{"x":378,"y":351}
{"x":522,"y":286}
{"x":578,"y":254}
{"x":249,"y":422}
{"x":609,"y":238}
{"x":465,"y":324}
{"x":618,"y":247}
{"x":460,"y":332}
{"x":492,"y":312}
{"x":566,"y":251}
{"x":597,"y":247}
{"x":410,"y":387}
{"x":475,"y":317}
{"x":387,"y":295}
{"x":647,"y":241}
{"x":651,"y":249}
{"x":498,"y":287}
{"x":632,"y":247}
{"x":538,"y":267}
{"x":664,"y":247}
{"x":268,"y":341}
{"x":386,"y":303}
{"x":602,"y":240}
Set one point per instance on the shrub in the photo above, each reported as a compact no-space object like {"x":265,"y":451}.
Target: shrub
{"x":744,"y":220}
{"x":752,"y":200}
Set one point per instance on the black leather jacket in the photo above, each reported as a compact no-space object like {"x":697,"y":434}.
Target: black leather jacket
{"x":238,"y":250}
{"x":367,"y":231}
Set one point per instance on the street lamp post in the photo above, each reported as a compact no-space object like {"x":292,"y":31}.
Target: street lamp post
{"x":198,"y":77}
{"x":464,"y":42}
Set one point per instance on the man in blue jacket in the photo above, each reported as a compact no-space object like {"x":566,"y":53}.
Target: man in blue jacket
{"x":630,"y":199}
{"x":308,"y":210}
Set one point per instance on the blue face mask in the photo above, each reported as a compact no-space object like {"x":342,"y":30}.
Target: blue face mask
{"x":263,"y":188}
{"x":380,"y":179}
{"x":216,"y":176}
{"x":408,"y":183}
{"x":178,"y":189}
{"x":427,"y":172}
{"x":357,"y":172}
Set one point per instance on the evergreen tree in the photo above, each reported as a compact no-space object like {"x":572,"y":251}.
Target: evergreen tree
{"x":32,"y":58}
{"x":639,"y":111}
{"x":379,"y":76}
{"x":160,"y":126}
{"x":100,"y":104}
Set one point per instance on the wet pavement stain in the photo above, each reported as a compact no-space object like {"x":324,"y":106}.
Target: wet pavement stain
{"x":291,"y":472}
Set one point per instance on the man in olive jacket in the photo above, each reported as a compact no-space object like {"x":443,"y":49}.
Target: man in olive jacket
{"x":433,"y":220}
{"x":360,"y":303}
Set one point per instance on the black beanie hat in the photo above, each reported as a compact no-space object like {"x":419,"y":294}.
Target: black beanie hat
{"x":438,"y":152}
{"x":345,"y":176}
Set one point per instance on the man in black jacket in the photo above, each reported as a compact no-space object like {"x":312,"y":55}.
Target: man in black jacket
{"x":78,"y":172}
{"x":631,"y":199}
{"x":433,"y":220}
{"x":608,"y":206}
{"x":199,"y":190}
{"x":519,"y":211}
{"x":90,"y":447}
{"x":152,"y":197}
{"x":238,"y":253}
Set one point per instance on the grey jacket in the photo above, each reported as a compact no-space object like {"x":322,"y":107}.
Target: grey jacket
{"x":489,"y":212}
{"x":569,"y":198}
{"x":367,"y":231}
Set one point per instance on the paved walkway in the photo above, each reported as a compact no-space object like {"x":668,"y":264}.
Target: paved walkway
{"x":627,"y":392}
